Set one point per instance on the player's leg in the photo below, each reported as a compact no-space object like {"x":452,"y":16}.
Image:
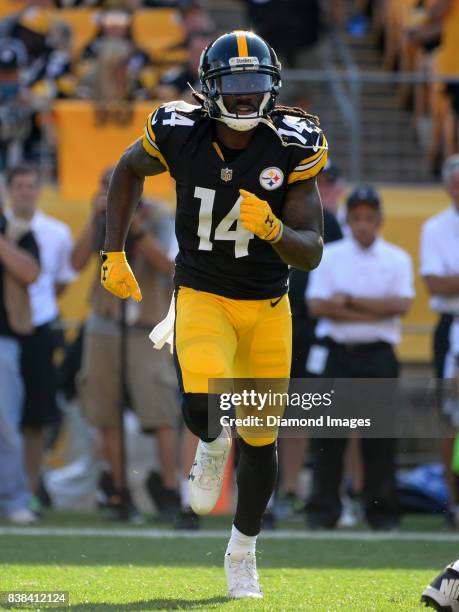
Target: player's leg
{"x":264,"y":352}
{"x":204,"y":347}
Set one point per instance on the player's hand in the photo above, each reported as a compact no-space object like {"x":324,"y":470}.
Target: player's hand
{"x":258,"y":218}
{"x":116,"y":276}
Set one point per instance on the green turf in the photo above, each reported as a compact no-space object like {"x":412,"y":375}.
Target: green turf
{"x":120,"y":574}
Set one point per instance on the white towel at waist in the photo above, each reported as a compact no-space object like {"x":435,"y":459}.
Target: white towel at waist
{"x":163,"y":333}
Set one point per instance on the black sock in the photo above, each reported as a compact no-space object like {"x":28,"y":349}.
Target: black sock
{"x":256,"y":479}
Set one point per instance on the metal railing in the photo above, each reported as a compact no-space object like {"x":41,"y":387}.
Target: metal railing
{"x":347,"y":105}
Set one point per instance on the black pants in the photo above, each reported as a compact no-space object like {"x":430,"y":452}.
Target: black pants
{"x":441,"y":342}
{"x":380,"y":498}
{"x":40,"y":377}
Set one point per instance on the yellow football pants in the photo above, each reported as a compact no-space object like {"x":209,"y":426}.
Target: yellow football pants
{"x":218,"y":337}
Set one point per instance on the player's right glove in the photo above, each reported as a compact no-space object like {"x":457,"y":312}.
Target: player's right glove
{"x":116,"y":276}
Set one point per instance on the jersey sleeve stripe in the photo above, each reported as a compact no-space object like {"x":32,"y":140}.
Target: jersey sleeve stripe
{"x":311,"y":163}
{"x":311,"y":158}
{"x":149,"y":143}
{"x":152,"y":149}
{"x":150,"y":127}
{"x":148,"y":137}
{"x":310,"y":171}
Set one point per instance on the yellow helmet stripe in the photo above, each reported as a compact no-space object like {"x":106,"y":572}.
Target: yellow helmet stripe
{"x":242,"y":47}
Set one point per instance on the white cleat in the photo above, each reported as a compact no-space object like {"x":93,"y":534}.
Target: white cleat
{"x":206,"y":475}
{"x":242,"y":577}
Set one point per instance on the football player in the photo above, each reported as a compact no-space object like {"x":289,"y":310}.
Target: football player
{"x":247,"y":207}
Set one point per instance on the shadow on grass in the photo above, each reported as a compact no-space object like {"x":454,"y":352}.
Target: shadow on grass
{"x":152,"y":604}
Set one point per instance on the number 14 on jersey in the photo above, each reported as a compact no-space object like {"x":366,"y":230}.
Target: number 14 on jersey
{"x":229,"y":228}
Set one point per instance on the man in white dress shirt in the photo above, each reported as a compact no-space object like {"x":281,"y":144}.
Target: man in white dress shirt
{"x":361,"y":289}
{"x":55,"y":245}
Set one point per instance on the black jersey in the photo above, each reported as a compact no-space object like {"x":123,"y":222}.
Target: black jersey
{"x":216,"y":253}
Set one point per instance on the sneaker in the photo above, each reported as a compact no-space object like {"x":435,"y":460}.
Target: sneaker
{"x":349,"y":516}
{"x":242,"y":577}
{"x":122,"y":508}
{"x":106,"y":490}
{"x":43,"y":496}
{"x":206,"y":475}
{"x":35,"y":506}
{"x":166,"y":501}
{"x":443,"y":593}
{"x":22,"y":516}
{"x":187,"y":520}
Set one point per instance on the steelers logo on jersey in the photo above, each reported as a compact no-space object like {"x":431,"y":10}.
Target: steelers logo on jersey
{"x":271,"y":178}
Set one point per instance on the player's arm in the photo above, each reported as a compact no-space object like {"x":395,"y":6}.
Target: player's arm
{"x":301,"y":243}
{"x":298,"y":239}
{"x":334,"y":308}
{"x":126,"y":187}
{"x":442,"y":285}
{"x":124,"y":193}
{"x":18,"y":262}
{"x":390,"y":306}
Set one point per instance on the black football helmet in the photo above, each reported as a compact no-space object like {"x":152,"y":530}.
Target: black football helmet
{"x":239,"y":63}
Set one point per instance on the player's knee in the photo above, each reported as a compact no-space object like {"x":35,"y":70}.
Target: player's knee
{"x":203,"y":359}
{"x":251,"y":441}
{"x":196,"y":416}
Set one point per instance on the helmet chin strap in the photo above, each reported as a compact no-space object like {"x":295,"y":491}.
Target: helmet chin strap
{"x":242,"y":123}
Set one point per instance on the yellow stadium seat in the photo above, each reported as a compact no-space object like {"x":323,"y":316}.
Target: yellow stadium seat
{"x":10,"y":6}
{"x":156,"y":30}
{"x":83,"y":23}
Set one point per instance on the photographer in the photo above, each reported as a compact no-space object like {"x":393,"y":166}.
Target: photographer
{"x":150,"y":380}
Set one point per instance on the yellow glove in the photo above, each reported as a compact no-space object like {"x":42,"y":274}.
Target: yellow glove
{"x":258,"y":218}
{"x":116,"y":276}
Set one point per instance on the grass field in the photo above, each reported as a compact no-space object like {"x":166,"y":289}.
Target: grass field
{"x":148,"y":569}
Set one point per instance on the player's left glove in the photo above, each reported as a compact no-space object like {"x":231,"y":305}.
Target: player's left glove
{"x":258,"y":218}
{"x":116,"y":276}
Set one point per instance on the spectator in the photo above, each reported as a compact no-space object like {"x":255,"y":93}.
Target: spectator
{"x":290,"y":26}
{"x":42,"y":76}
{"x":32,"y":27}
{"x":447,"y":65}
{"x":332,"y":187}
{"x":15,"y":112}
{"x":55,"y":243}
{"x":18,"y":268}
{"x":175,"y":83}
{"x":439,"y":268}
{"x":150,"y":382}
{"x":111,"y":65}
{"x":361,"y":289}
{"x":195,"y":18}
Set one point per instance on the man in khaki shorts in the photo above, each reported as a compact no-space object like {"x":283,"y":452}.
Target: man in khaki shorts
{"x":151,"y":388}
